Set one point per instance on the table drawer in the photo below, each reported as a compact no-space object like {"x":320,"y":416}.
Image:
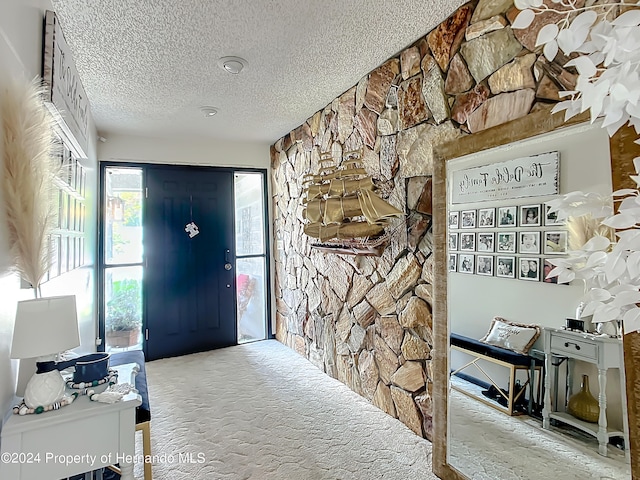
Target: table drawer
{"x":574,"y":347}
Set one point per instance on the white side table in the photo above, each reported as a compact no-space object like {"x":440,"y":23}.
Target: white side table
{"x":605,"y":353}
{"x":77,"y":438}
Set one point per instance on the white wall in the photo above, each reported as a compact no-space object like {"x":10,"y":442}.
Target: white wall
{"x":474,"y":300}
{"x":21,"y":34}
{"x":130,"y":148}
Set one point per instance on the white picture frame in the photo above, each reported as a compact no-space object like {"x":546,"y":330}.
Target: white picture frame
{"x":485,"y":242}
{"x":556,"y":242}
{"x":484,"y":265}
{"x":506,"y":242}
{"x":454,"y":219}
{"x":529,"y":269}
{"x":453,"y":242}
{"x":529,"y":242}
{"x":551,"y":219}
{"x":466,"y":263}
{"x":468,"y":219}
{"x":505,"y":266}
{"x":467,"y":242}
{"x":453,"y":262}
{"x":547,"y":267}
{"x":507,"y":216}
{"x":529,"y":216}
{"x":486,"y":217}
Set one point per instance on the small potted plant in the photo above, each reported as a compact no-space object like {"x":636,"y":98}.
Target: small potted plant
{"x":124,"y":314}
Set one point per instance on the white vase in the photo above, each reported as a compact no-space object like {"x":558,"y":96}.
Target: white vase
{"x":608,"y":328}
{"x":44,"y":389}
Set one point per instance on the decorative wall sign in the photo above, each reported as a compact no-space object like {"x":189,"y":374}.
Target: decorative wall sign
{"x":192,"y":229}
{"x":68,"y":101}
{"x":532,"y":176}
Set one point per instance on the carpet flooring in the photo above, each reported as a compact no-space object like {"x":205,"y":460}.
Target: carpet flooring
{"x":486,"y":444}
{"x":260,"y":411}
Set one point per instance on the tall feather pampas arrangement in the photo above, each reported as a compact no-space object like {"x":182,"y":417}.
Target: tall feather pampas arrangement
{"x":28,"y":169}
{"x":584,"y":228}
{"x":6,"y":260}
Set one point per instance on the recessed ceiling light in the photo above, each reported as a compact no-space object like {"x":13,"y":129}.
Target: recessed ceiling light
{"x":232,"y":65}
{"x":209,"y":111}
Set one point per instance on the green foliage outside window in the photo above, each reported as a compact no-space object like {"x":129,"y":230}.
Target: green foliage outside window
{"x":124,"y":310}
{"x":132,"y":209}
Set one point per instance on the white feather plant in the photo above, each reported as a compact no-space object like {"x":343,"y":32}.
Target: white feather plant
{"x":609,"y":269}
{"x":28,"y":169}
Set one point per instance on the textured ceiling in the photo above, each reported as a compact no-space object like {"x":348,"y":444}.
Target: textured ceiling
{"x":148,"y":66}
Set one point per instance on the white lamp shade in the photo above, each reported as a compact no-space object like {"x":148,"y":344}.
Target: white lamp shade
{"x":45,"y":326}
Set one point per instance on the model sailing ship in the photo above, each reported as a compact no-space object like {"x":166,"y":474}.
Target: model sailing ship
{"x":343,"y":210}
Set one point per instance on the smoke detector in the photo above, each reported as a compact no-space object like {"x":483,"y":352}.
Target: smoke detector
{"x":233,"y":65}
{"x":209,"y":111}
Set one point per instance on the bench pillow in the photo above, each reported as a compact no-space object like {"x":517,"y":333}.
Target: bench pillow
{"x":513,"y":336}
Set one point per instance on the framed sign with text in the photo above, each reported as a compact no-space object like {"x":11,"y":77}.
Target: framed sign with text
{"x":532,"y":176}
{"x":65,"y":95}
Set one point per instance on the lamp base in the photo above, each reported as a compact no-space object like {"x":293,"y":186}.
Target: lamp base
{"x":44,"y":389}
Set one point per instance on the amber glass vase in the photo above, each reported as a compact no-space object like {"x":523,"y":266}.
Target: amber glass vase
{"x":583,"y":405}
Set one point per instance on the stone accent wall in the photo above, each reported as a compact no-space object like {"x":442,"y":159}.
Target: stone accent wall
{"x":367,"y":320}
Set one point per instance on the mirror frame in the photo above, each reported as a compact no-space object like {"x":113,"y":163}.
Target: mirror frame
{"x":623,"y":150}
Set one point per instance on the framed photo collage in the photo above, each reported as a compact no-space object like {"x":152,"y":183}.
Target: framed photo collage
{"x":513,"y":241}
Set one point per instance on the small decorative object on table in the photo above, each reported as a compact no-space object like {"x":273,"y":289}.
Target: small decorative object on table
{"x":608,"y":328}
{"x":112,"y":394}
{"x":111,"y":378}
{"x":23,"y":409}
{"x":583,"y":405}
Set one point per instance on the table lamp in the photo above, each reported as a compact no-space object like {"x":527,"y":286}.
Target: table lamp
{"x":45,"y":327}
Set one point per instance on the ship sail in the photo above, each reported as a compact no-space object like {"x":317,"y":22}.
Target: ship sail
{"x":342,"y":207}
{"x":375,"y":209}
{"x":342,"y":231}
{"x":337,"y":188}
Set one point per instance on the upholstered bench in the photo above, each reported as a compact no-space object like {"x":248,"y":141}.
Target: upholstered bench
{"x":500,"y":356}
{"x":143,"y":412}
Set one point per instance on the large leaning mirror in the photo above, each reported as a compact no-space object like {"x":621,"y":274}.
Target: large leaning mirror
{"x":508,"y":404}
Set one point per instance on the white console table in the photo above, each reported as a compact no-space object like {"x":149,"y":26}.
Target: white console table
{"x":605,"y":353}
{"x":43,"y":446}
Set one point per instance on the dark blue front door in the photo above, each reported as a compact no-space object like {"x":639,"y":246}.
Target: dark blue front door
{"x":189,"y":278}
